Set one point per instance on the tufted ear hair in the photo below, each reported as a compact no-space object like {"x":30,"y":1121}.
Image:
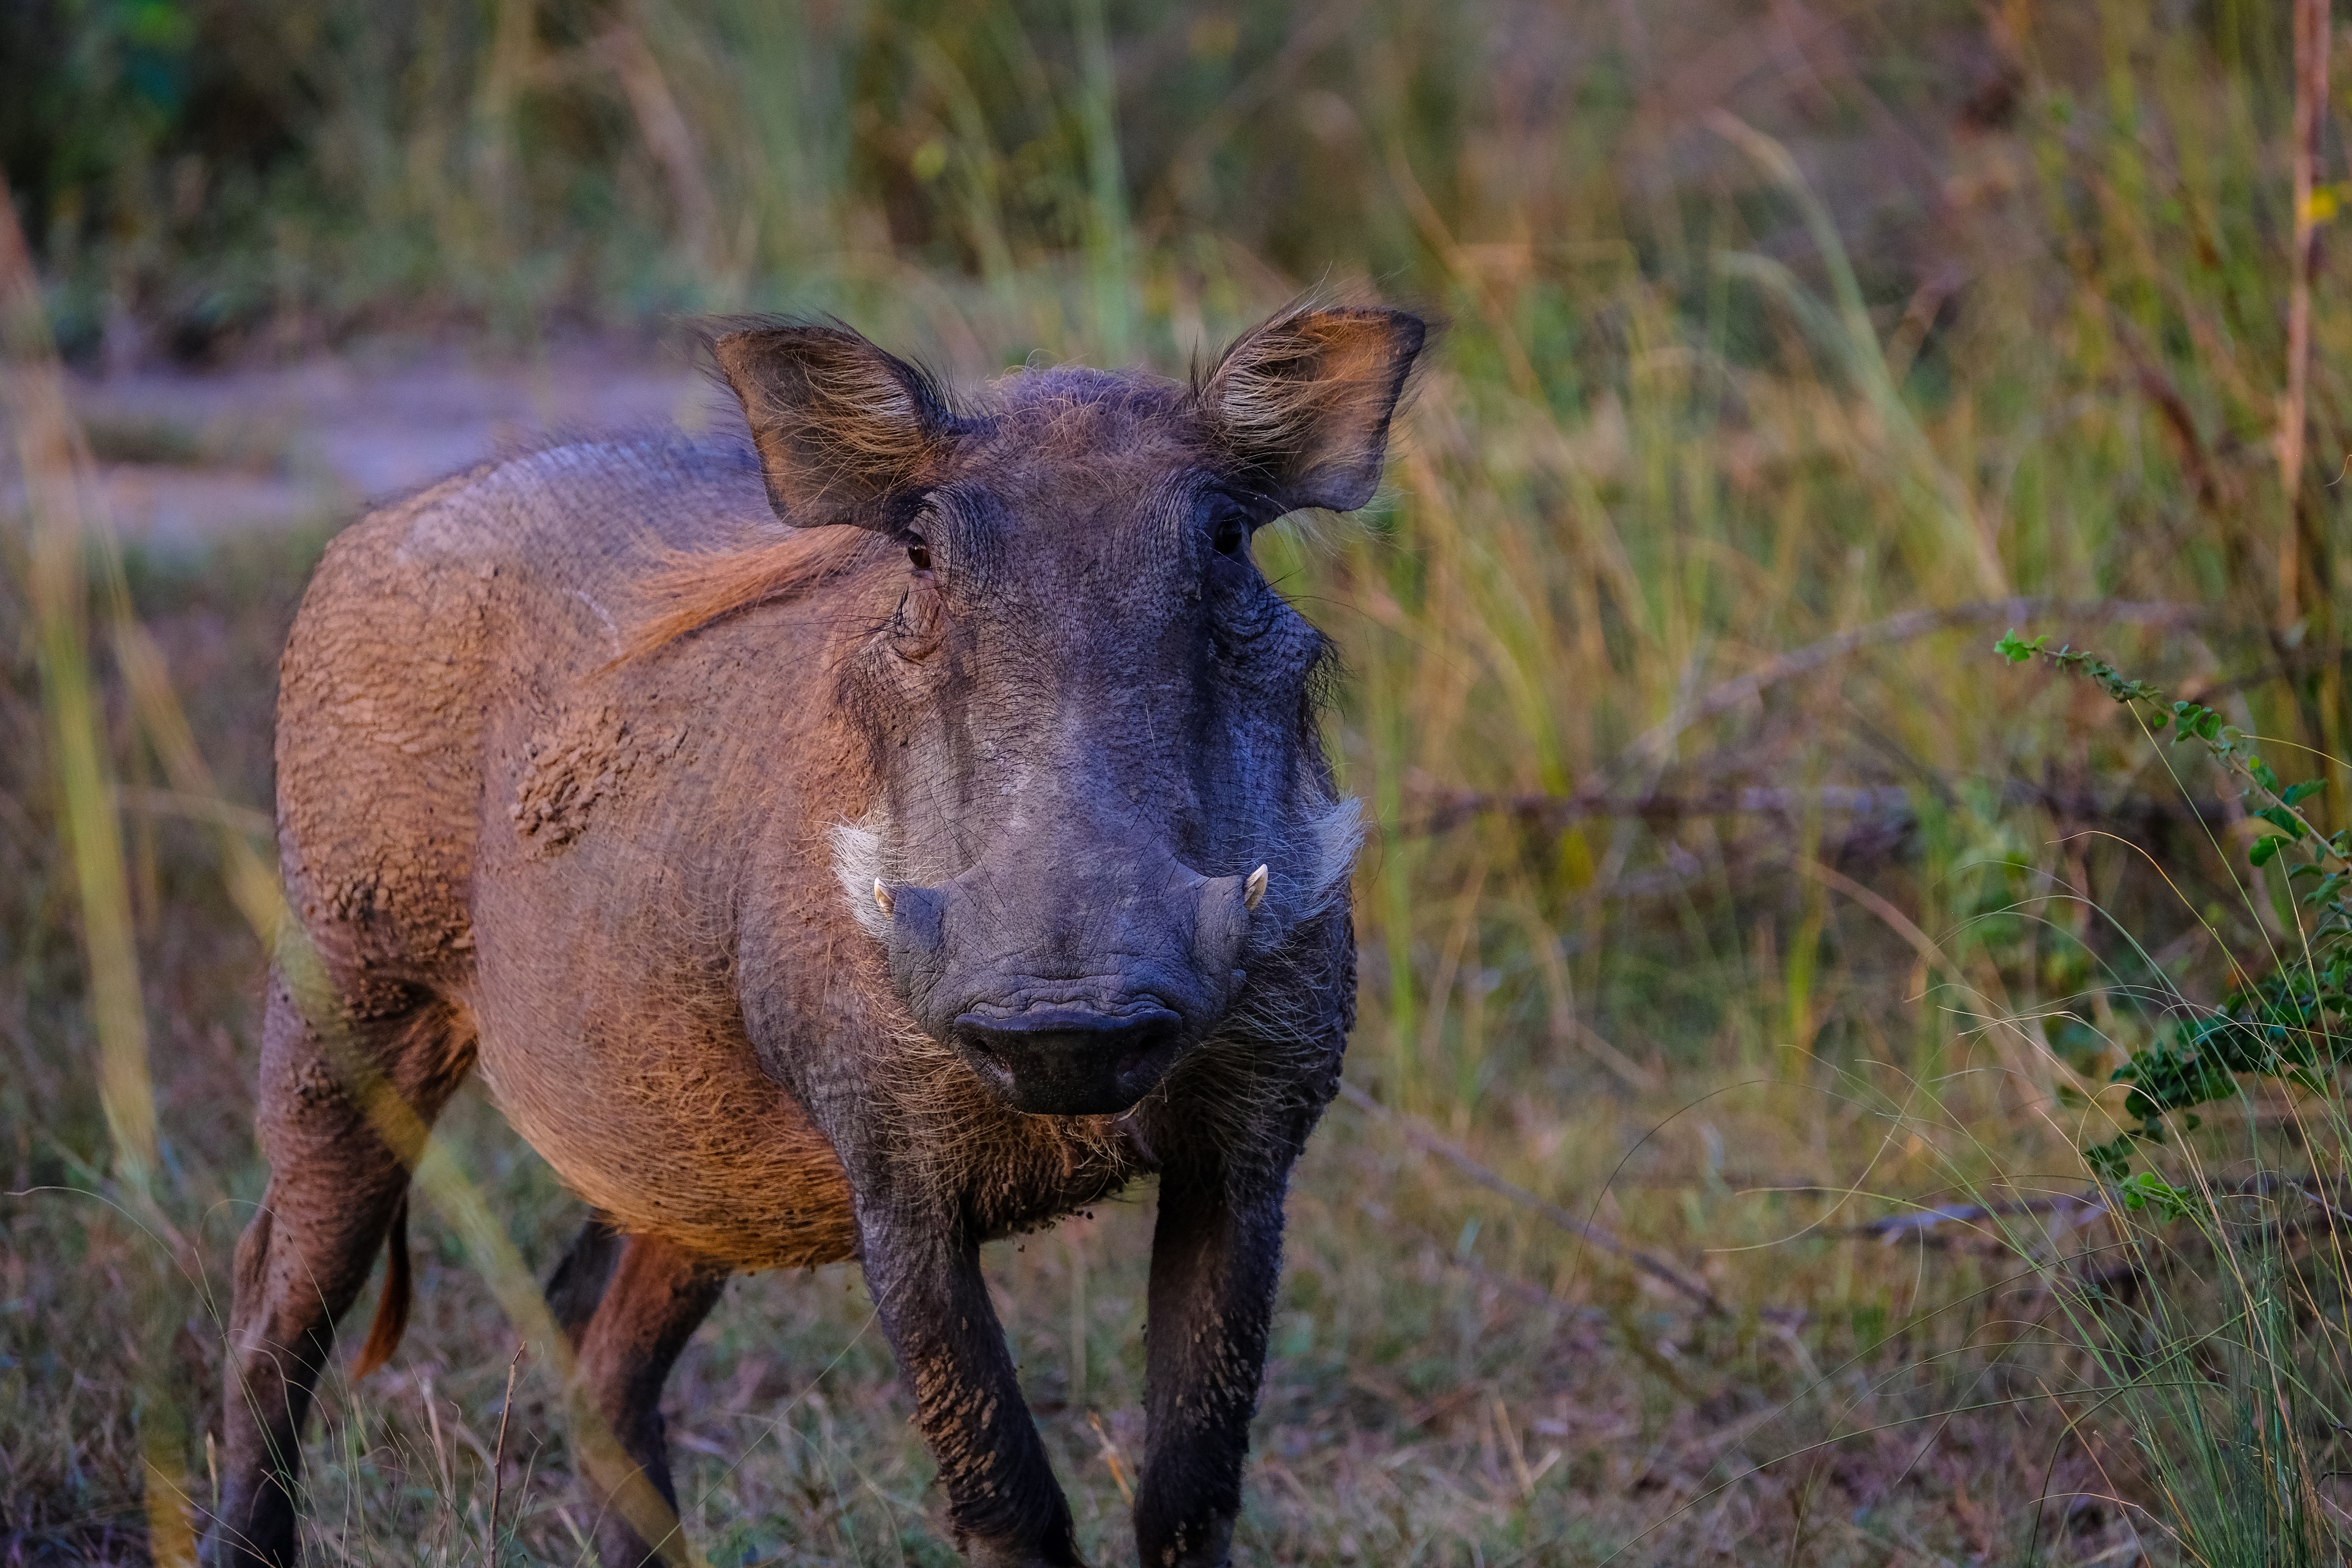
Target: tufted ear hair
{"x":1305,"y":399}
{"x":845,"y":432}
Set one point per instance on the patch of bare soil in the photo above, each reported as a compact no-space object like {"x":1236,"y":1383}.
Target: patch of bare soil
{"x":187,"y":458}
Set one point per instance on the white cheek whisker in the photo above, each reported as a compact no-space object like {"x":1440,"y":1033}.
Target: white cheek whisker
{"x":1335,"y":835}
{"x":857,"y":864}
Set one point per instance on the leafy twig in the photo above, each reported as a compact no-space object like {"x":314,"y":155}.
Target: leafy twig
{"x":2287,"y":1023}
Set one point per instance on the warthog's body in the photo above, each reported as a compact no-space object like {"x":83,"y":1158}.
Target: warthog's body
{"x":760,"y":927}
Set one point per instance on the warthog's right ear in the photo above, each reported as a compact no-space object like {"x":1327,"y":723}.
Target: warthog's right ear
{"x":845,"y":432}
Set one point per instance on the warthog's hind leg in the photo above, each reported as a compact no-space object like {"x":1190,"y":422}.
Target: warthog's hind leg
{"x":334,"y":1187}
{"x":576,"y":1289}
{"x":630,"y":1303}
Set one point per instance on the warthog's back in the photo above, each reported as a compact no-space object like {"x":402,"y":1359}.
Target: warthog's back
{"x":479,"y":813}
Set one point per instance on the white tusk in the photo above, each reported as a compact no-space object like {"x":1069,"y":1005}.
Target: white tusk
{"x":881,"y":895}
{"x":1254,"y":890}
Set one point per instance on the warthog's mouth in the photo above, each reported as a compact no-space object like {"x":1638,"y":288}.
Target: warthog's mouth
{"x":1071,"y":1061}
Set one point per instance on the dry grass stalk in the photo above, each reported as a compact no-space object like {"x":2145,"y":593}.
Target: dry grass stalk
{"x":56,"y":495}
{"x":83,"y":777}
{"x":667,"y":137}
{"x":2312,"y":41}
{"x":54,"y":467}
{"x":498,"y":1464}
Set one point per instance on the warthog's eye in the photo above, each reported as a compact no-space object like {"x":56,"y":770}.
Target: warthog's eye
{"x":1231,"y":531}
{"x":919,"y":555}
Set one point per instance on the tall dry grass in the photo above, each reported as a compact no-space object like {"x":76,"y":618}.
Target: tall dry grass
{"x":1726,"y":896}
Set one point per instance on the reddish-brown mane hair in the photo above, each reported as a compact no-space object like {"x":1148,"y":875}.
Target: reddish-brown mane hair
{"x":697,"y":588}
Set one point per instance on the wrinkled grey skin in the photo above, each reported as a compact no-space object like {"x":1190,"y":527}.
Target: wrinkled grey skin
{"x":1017,"y":669}
{"x":1090,"y":788}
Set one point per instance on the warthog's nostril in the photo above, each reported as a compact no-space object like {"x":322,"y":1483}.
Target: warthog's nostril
{"x":1068,"y":1061}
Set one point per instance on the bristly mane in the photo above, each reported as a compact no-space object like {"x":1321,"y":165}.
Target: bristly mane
{"x":695,"y":588}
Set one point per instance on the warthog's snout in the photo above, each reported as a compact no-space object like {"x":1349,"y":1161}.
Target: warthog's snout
{"x":1078,"y":998}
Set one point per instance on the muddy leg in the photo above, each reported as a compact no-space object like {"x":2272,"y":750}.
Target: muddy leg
{"x":1008,"y":1511}
{"x":656,"y":1296}
{"x":334,"y":1186}
{"x":1214,"y":1265}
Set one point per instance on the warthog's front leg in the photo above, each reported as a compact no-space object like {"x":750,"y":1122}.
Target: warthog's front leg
{"x":923,"y":1270}
{"x":1216,"y":1262}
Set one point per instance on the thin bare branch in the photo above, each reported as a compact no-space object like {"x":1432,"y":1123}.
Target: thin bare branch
{"x":1427,"y":1139}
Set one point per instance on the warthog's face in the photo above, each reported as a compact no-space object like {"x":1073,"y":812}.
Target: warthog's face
{"x":1101,"y":795}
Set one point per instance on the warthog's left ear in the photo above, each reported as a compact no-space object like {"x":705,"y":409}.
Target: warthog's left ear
{"x":845,"y":432}
{"x":1306,"y":398}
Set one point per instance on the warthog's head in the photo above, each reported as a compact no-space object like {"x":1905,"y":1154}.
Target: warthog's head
{"x":1092,"y":720}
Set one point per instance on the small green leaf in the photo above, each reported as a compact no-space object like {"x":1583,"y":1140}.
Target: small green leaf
{"x":2296,"y":794}
{"x":2149,"y":1190}
{"x":2262,"y":773}
{"x":2264,"y":850}
{"x":2016,"y":649}
{"x":2283,"y":820}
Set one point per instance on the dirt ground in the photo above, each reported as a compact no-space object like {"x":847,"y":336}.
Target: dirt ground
{"x":187,"y":458}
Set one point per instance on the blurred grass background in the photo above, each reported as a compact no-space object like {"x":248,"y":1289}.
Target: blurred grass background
{"x":1726,"y":892}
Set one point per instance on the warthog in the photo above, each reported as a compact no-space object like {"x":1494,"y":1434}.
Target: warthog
{"x":919,"y":871}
